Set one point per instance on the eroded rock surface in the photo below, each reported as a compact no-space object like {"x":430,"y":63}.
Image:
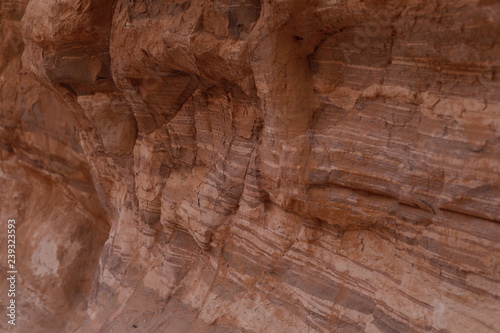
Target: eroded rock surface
{"x":253,"y":166}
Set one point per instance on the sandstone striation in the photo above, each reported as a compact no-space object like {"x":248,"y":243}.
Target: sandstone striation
{"x":252,"y":166}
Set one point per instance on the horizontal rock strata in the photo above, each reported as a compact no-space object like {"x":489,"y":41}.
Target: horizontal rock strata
{"x":253,"y":166}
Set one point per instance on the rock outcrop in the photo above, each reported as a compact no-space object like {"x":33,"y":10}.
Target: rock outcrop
{"x":252,"y":166}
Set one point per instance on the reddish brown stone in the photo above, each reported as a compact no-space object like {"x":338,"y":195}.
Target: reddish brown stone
{"x":252,"y":166}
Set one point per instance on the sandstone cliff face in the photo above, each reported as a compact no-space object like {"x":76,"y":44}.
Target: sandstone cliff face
{"x":252,"y":166}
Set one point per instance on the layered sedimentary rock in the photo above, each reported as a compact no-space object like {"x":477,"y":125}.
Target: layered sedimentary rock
{"x":253,"y":166}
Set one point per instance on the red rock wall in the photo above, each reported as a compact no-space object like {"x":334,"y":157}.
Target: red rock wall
{"x":253,"y":166}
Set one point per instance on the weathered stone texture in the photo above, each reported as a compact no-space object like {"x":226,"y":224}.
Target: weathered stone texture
{"x":253,"y":166}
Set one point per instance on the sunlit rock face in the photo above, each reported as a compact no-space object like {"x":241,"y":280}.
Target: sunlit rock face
{"x":252,"y":166}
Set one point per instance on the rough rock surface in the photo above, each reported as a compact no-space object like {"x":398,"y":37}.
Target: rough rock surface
{"x":252,"y":166}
